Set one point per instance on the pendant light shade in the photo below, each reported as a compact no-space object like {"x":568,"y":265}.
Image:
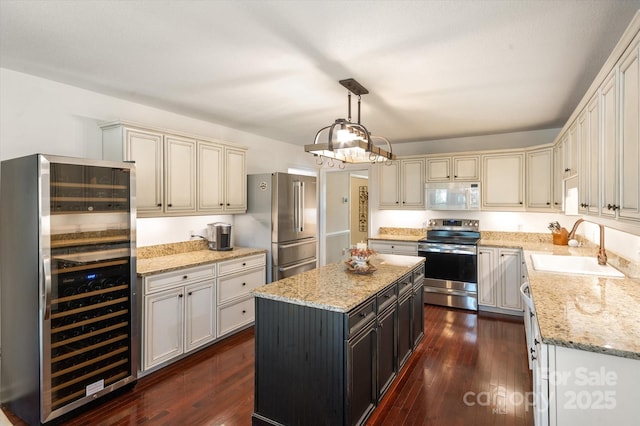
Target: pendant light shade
{"x":350,"y":142}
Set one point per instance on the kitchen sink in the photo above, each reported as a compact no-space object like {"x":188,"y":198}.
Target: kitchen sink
{"x":573,"y":265}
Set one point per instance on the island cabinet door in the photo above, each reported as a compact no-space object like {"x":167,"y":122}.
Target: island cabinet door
{"x":361,"y":372}
{"x":405,"y":331}
{"x":387,"y":349}
{"x":417,"y":315}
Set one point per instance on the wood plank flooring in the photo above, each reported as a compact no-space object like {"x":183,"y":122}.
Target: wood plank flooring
{"x":470,"y":369}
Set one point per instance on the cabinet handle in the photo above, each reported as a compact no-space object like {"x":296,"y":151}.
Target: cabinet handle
{"x":535,"y":341}
{"x":533,"y":358}
{"x":363,"y":314}
{"x":567,"y":170}
{"x":533,"y":351}
{"x":386,"y":296}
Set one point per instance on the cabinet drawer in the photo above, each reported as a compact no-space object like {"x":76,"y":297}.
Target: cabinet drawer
{"x":241,"y":264}
{"x":235,"y":315}
{"x":237,"y":285}
{"x":405,"y":284}
{"x":360,"y":316}
{"x":387,"y":297}
{"x":180,"y":277}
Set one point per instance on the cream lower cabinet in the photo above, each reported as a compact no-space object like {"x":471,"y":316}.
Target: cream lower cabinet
{"x":236,"y":279}
{"x":577,"y":387}
{"x":178,"y":313}
{"x":499,"y":278}
{"x":407,"y":248}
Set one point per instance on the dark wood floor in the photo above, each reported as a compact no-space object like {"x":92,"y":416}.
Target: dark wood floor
{"x":470,"y":369}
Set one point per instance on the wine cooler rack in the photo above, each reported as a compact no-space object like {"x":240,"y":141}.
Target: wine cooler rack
{"x":90,"y":328}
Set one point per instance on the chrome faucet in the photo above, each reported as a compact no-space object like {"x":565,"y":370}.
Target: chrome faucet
{"x":602,"y":255}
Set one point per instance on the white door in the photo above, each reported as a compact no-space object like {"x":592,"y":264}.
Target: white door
{"x":539,"y":176}
{"x":163,"y":326}
{"x":146,"y":148}
{"x":199,"y":314}
{"x":389,"y":184}
{"x":180,"y":163}
{"x":486,"y":276}
{"x":210,"y":178}
{"x":511,"y":279}
{"x":503,"y":180}
{"x":412,"y":183}
{"x":235,"y":180}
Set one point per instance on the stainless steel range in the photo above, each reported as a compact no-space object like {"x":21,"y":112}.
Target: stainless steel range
{"x":451,"y":271}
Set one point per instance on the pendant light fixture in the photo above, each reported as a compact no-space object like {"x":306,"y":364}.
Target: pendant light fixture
{"x":350,"y":142}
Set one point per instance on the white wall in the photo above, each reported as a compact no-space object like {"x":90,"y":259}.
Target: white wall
{"x":43,"y":116}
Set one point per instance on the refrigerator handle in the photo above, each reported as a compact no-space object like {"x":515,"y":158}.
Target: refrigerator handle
{"x":46,"y":272}
{"x":297,"y":204}
{"x":301,"y":208}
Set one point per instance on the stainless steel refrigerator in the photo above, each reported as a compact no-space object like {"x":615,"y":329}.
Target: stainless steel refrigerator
{"x":281,"y":218}
{"x":67,"y":282}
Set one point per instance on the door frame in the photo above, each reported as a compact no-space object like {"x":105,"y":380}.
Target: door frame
{"x":322,"y":203}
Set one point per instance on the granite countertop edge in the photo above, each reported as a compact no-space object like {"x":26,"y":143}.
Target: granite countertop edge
{"x":174,"y":262}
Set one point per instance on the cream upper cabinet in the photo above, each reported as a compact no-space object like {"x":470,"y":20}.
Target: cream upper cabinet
{"x":609,"y":144}
{"x":503,"y":181}
{"x":629,"y":142}
{"x":177,"y":174}
{"x":457,"y":168}
{"x":593,"y":112}
{"x":539,"y":179}
{"x":222,"y":179}
{"x":235,"y":180}
{"x":584,"y":161}
{"x":401,"y":184}
{"x":180,"y":175}
{"x":146,"y":149}
{"x":558,"y":173}
{"x":570,"y":152}
{"x":210,"y":177}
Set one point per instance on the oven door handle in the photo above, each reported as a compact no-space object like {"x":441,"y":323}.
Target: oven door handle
{"x":447,"y":248}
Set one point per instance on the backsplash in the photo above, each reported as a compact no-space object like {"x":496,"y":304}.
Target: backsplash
{"x":402,"y":231}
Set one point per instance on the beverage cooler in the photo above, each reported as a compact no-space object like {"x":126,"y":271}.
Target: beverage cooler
{"x":68,"y":283}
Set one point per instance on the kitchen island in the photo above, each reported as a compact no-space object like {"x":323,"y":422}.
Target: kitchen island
{"x":329,"y":343}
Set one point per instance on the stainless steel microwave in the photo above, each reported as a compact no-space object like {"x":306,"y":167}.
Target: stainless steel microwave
{"x":453,"y":196}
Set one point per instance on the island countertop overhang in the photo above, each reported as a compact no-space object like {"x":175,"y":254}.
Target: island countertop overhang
{"x":332,"y":287}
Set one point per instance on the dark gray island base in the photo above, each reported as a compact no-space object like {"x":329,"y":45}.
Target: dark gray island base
{"x":330,"y":343}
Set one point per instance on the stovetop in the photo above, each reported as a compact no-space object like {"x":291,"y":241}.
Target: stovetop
{"x":453,"y":231}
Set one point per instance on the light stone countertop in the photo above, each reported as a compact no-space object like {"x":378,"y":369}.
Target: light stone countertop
{"x":596,"y":314}
{"x":172,"y":262}
{"x":334,"y":288}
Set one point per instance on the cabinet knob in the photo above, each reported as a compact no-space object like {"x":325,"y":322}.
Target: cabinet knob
{"x":159,"y":205}
{"x":363,"y":314}
{"x":169,"y":205}
{"x":533,"y":358}
{"x":455,"y":176}
{"x":221,"y":204}
{"x":397,"y":202}
{"x":244,"y":263}
{"x":448,"y":177}
{"x":190,"y":293}
{"x":228,"y":204}
{"x":184,"y":277}
{"x":244,"y":312}
{"x":180,"y":295}
{"x":243,"y":284}
{"x":520,"y":202}
{"x":548,"y":203}
{"x":567,"y":170}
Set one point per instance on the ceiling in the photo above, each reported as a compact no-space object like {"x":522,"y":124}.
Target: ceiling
{"x":434,"y":69}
